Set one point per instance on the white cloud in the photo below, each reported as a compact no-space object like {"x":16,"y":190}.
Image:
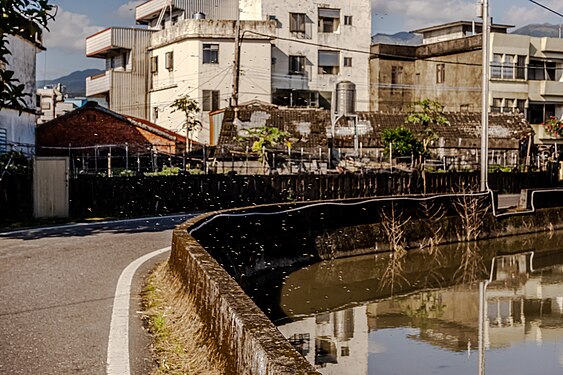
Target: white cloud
{"x":127,"y":10}
{"x":519,"y":16}
{"x":69,"y":31}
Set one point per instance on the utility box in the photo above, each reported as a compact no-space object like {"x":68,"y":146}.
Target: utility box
{"x":50,"y":187}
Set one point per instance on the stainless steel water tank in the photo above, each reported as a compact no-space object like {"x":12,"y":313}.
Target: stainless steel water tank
{"x":198,"y":16}
{"x":345,"y":98}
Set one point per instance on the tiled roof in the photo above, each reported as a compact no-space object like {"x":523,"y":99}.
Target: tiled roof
{"x":310,"y":127}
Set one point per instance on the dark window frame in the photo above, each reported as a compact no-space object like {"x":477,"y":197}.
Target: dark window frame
{"x":297,"y":64}
{"x":210,"y":53}
{"x":297,"y":22}
{"x":440,"y":73}
{"x":169,"y":61}
{"x":329,"y":24}
{"x":154,"y":64}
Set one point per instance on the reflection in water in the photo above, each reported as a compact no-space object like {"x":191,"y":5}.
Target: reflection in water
{"x":337,"y":315}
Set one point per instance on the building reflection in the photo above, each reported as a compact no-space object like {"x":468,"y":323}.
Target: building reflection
{"x":336,"y":342}
{"x":522,"y":305}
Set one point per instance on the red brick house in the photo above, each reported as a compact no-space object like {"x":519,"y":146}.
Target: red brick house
{"x":98,"y":140}
{"x":94,"y":126}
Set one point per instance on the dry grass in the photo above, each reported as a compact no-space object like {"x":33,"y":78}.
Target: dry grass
{"x":181,"y":344}
{"x":393,"y":225}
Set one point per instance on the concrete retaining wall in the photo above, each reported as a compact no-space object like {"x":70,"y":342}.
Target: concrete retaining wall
{"x":212,"y":252}
{"x":248,"y":340}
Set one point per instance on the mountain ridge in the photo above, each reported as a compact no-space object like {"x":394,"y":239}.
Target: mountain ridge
{"x":75,"y":82}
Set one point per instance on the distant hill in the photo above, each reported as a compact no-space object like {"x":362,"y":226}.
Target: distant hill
{"x":538,"y":30}
{"x":75,"y":82}
{"x":402,"y":38}
{"x":410,"y":39}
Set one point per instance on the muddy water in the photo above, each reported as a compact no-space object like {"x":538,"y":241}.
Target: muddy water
{"x":423,"y":313}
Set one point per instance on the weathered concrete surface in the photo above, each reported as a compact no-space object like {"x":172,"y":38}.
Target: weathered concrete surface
{"x":244,"y":335}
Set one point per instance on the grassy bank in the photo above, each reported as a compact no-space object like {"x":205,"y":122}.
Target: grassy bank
{"x":181,"y":344}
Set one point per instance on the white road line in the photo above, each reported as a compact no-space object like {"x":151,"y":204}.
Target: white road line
{"x":118,"y":342}
{"x":78,"y":225}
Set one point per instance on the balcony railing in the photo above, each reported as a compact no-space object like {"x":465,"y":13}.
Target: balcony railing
{"x":150,"y":9}
{"x":99,"y":43}
{"x":98,"y":84}
{"x":115,"y":40}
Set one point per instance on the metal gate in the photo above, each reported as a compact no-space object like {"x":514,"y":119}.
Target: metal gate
{"x":50,"y":187}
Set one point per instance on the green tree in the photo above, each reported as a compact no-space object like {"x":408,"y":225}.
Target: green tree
{"x":25,"y":18}
{"x":429,"y":114}
{"x":263,"y":138}
{"x":404,"y":142}
{"x":190,"y":109}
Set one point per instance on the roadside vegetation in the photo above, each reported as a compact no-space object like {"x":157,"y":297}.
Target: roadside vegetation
{"x":181,"y":344}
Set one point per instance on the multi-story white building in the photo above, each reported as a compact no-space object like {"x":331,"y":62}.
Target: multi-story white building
{"x":51,"y":103}
{"x":17,"y":129}
{"x":316,"y":46}
{"x":291,"y":53}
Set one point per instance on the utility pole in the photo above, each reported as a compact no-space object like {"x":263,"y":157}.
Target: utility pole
{"x":236,"y":65}
{"x":486,"y":33}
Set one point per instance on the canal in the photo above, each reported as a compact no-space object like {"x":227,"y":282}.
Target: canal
{"x":491,"y":307}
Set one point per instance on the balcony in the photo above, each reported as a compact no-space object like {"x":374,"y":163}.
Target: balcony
{"x":541,"y":91}
{"x":552,"y":47}
{"x":99,"y":84}
{"x":150,"y":10}
{"x":115,"y":40}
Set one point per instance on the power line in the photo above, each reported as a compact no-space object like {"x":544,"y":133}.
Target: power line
{"x":546,"y":8}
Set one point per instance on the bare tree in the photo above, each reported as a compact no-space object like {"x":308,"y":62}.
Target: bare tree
{"x":394,"y":224}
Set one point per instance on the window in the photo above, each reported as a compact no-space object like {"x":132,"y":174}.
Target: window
{"x":154,"y":64}
{"x":329,"y":20}
{"x":3,"y":140}
{"x":154,"y":114}
{"x":210,"y":100}
{"x":297,"y":22}
{"x":538,"y":112}
{"x":496,"y":66}
{"x":329,"y":62}
{"x":509,"y":105}
{"x":296,"y":64}
{"x":169,"y":61}
{"x":508,"y":66}
{"x":521,"y":105}
{"x":301,"y":343}
{"x":396,"y":74}
{"x":211,"y":54}
{"x":348,"y":20}
{"x":550,"y":71}
{"x":440,"y":73}
{"x":348,"y":61}
{"x":497,"y":105}
{"x":521,"y":67}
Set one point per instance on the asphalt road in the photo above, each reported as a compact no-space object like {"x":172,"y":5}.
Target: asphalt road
{"x":57,"y":289}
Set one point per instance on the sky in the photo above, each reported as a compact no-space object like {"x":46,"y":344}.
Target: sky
{"x":77,"y":19}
